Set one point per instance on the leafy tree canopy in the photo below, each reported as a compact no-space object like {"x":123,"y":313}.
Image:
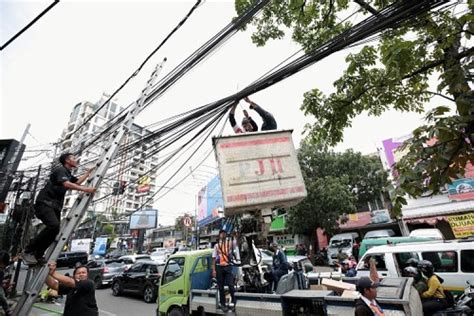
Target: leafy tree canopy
{"x":337,"y":183}
{"x":391,"y":73}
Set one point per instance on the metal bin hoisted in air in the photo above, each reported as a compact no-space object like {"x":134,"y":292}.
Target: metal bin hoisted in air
{"x":258,"y":171}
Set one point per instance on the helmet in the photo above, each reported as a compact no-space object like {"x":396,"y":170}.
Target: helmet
{"x":412,"y":262}
{"x":426,"y":267}
{"x":412,"y":272}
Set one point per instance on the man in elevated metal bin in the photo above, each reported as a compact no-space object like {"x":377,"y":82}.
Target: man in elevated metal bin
{"x":248,"y":124}
{"x":49,"y":203}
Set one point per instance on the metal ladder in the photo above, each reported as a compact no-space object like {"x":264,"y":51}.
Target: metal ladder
{"x":79,"y":208}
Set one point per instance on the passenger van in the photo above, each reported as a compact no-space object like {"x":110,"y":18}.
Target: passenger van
{"x":453,"y":260}
{"x":367,"y":244}
{"x":343,"y":242}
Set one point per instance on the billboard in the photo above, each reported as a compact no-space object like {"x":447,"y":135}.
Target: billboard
{"x":100,"y":246}
{"x":144,"y":219}
{"x":461,"y":189}
{"x":81,"y":245}
{"x":391,"y":152}
{"x":462,"y":225}
{"x":210,"y":203}
{"x":143,"y":184}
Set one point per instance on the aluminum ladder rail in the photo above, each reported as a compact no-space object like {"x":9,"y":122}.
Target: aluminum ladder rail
{"x":79,"y":208}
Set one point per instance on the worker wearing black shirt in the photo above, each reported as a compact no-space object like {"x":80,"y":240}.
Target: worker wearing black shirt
{"x":269,"y":122}
{"x":79,"y":289}
{"x":49,"y":203}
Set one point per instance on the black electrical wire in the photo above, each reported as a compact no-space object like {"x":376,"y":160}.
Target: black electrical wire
{"x":176,"y":28}
{"x":29,"y":25}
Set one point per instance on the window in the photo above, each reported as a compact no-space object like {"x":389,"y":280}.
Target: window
{"x":402,"y":259}
{"x":136,"y":267}
{"x":203,"y":264}
{"x":443,"y":261}
{"x":174,"y":269}
{"x":379,"y":262}
{"x":92,"y":264}
{"x":467,"y":261}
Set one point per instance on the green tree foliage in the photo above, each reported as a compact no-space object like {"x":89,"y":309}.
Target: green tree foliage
{"x":337,"y":183}
{"x":391,"y":73}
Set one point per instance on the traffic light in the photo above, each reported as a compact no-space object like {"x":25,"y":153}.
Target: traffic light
{"x":123,"y":186}
{"x":115,"y":190}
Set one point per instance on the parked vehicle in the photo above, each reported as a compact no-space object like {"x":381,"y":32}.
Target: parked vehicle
{"x":159,"y":255}
{"x":115,"y":254}
{"x":343,"y":242}
{"x":432,"y":233}
{"x":266,"y":257}
{"x":367,"y":244}
{"x":103,"y":271}
{"x":143,"y":278}
{"x":129,"y":260}
{"x":453,"y":260}
{"x":71,"y":259}
{"x":379,"y":233}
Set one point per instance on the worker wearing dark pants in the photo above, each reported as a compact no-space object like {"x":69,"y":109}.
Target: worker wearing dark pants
{"x":50,"y":215}
{"x":49,"y":203}
{"x":221,"y":268}
{"x":280,"y":266}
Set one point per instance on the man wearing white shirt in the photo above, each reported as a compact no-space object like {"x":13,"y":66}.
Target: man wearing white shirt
{"x":366,"y":305}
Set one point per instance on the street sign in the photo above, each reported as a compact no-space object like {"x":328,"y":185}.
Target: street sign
{"x":187,"y":221}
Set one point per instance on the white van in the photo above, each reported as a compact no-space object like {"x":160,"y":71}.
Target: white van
{"x":453,"y":260}
{"x":427,"y":232}
{"x":343,"y":242}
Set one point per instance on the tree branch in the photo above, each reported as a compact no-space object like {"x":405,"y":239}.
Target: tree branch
{"x":441,"y":95}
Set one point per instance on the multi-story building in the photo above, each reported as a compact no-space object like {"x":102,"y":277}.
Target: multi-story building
{"x":131,"y":179}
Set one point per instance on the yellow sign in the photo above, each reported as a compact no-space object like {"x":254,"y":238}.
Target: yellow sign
{"x":462,"y":225}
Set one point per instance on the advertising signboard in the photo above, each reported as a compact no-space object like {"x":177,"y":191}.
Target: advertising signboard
{"x":144,"y":219}
{"x":462,"y":225}
{"x":81,"y":245}
{"x":100,"y":247}
{"x":210,"y":203}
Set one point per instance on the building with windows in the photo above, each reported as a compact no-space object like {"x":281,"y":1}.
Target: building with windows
{"x":131,"y":179}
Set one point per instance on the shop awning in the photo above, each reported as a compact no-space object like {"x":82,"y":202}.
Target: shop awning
{"x":435,"y":207}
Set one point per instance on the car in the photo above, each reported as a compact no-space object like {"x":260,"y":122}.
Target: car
{"x":381,"y":233}
{"x":71,"y":259}
{"x":115,"y":254}
{"x":143,"y":278}
{"x":103,"y":271}
{"x":267,"y":257}
{"x":159,"y":255}
{"x":129,"y":260}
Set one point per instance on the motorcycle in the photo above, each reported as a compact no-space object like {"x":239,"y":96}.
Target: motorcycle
{"x":463,"y":304}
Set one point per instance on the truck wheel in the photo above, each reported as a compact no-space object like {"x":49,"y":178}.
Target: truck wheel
{"x":149,"y":294}
{"x":176,"y":311}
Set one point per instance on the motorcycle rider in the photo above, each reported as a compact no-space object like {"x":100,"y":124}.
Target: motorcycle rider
{"x":434,"y":298}
{"x":419,"y":283}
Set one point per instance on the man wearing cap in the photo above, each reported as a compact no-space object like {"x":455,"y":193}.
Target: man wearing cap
{"x":222,"y":269}
{"x":366,"y":305}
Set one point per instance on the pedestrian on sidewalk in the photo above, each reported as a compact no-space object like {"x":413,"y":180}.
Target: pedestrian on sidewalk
{"x":49,"y":203}
{"x":80,"y":291}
